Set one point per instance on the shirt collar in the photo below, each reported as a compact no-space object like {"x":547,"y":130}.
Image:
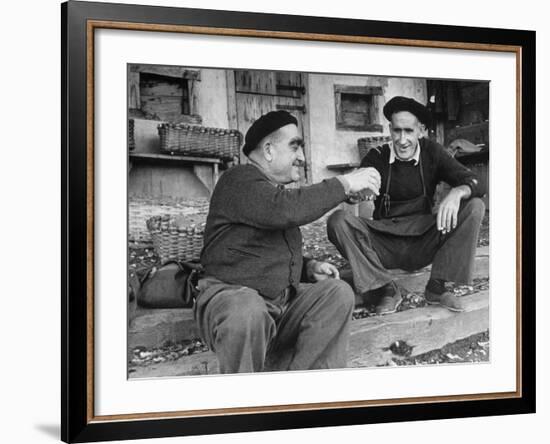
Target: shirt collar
{"x":264,"y":173}
{"x":415,"y":158}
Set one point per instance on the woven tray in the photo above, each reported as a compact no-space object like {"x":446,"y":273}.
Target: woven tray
{"x":177,"y":237}
{"x":141,"y":209}
{"x":200,"y":141}
{"x":365,"y":144}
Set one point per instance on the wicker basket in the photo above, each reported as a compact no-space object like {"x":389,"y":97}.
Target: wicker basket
{"x":141,"y":209}
{"x":200,"y":141}
{"x":177,"y":237}
{"x":365,"y":144}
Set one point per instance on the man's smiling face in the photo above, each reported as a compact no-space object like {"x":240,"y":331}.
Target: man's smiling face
{"x":287,"y":154}
{"x":405,"y":132}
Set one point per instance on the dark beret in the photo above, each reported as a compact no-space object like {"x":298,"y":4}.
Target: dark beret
{"x":264,"y":126}
{"x":400,"y":103}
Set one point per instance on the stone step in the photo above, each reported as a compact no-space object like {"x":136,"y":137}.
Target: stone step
{"x":425,"y":329}
{"x":428,"y":328}
{"x":153,"y":327}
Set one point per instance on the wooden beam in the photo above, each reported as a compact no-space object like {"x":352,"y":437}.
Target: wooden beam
{"x":306,"y":128}
{"x":168,"y":71}
{"x":175,"y":158}
{"x":134,"y":99}
{"x":343,"y":166}
{"x":231,"y":99}
{"x":360,"y":90}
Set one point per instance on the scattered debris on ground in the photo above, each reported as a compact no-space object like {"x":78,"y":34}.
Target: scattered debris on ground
{"x":400,"y":348}
{"x":483,"y":238}
{"x":474,"y":348}
{"x":170,"y":351}
{"x":415,"y":299}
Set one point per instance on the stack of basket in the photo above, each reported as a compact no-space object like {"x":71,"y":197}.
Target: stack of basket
{"x":365,"y":144}
{"x":200,"y":141}
{"x":141,"y":209}
{"x":177,"y":237}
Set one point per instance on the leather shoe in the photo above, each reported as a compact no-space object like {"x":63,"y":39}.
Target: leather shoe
{"x":390,"y":301}
{"x":445,"y":299}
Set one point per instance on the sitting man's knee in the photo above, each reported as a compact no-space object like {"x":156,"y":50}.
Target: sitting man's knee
{"x":476,"y":207}
{"x":247,"y":310}
{"x":340,"y":292}
{"x":337,"y":220}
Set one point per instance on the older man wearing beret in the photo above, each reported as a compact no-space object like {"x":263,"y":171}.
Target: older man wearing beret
{"x":261,"y":305}
{"x":405,"y":232}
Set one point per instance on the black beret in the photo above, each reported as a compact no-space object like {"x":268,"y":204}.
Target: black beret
{"x":264,"y":126}
{"x":400,"y":103}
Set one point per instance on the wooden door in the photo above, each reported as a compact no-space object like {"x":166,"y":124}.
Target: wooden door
{"x":258,"y":92}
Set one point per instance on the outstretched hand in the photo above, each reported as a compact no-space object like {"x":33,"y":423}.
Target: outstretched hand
{"x":319,"y":271}
{"x":364,"y":178}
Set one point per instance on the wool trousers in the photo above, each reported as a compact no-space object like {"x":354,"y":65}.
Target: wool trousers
{"x":249,"y":333}
{"x":371,"y":253}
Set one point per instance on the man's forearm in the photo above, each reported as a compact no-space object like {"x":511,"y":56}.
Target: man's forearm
{"x":464,"y":191}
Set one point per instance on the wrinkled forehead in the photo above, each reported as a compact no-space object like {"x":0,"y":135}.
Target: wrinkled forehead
{"x":404,"y":119}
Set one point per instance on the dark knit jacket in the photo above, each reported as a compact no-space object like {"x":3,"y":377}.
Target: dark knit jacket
{"x":252,"y":235}
{"x":406,"y":184}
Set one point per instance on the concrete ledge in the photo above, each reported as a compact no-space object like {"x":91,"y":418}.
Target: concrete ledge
{"x":153,"y":327}
{"x":426,"y":329}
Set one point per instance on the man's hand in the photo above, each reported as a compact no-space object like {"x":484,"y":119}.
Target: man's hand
{"x":364,"y":178}
{"x":447,"y":214}
{"x":319,"y":271}
{"x":360,"y":196}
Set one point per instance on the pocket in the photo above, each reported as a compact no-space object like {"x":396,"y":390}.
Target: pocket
{"x":404,"y":225}
{"x":400,"y":208}
{"x":244,"y":253}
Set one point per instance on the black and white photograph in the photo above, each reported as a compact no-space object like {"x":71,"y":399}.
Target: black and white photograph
{"x":280,"y":222}
{"x":274,"y":222}
{"x":304,"y":221}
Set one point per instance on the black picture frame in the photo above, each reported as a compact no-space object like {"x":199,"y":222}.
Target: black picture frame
{"x":79,"y":19}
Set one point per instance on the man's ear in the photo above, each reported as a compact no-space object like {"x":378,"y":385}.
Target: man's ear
{"x":423,"y":131}
{"x":267,"y":150}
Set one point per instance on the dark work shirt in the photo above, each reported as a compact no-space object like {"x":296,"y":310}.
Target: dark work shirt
{"x":406,"y":182}
{"x":436,"y":164}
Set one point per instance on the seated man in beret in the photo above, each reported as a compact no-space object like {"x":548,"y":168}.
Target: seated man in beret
{"x":261,"y":305}
{"x":404,"y":233}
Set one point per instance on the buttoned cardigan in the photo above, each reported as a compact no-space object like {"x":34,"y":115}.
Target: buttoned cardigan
{"x":252,"y":235}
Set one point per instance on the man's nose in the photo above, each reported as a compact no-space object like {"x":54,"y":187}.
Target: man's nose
{"x":402,"y":137}
{"x":300,"y":155}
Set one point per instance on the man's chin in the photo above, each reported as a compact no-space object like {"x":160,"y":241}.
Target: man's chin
{"x":404,"y":156}
{"x":296,"y":174}
{"x":294,"y":179}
